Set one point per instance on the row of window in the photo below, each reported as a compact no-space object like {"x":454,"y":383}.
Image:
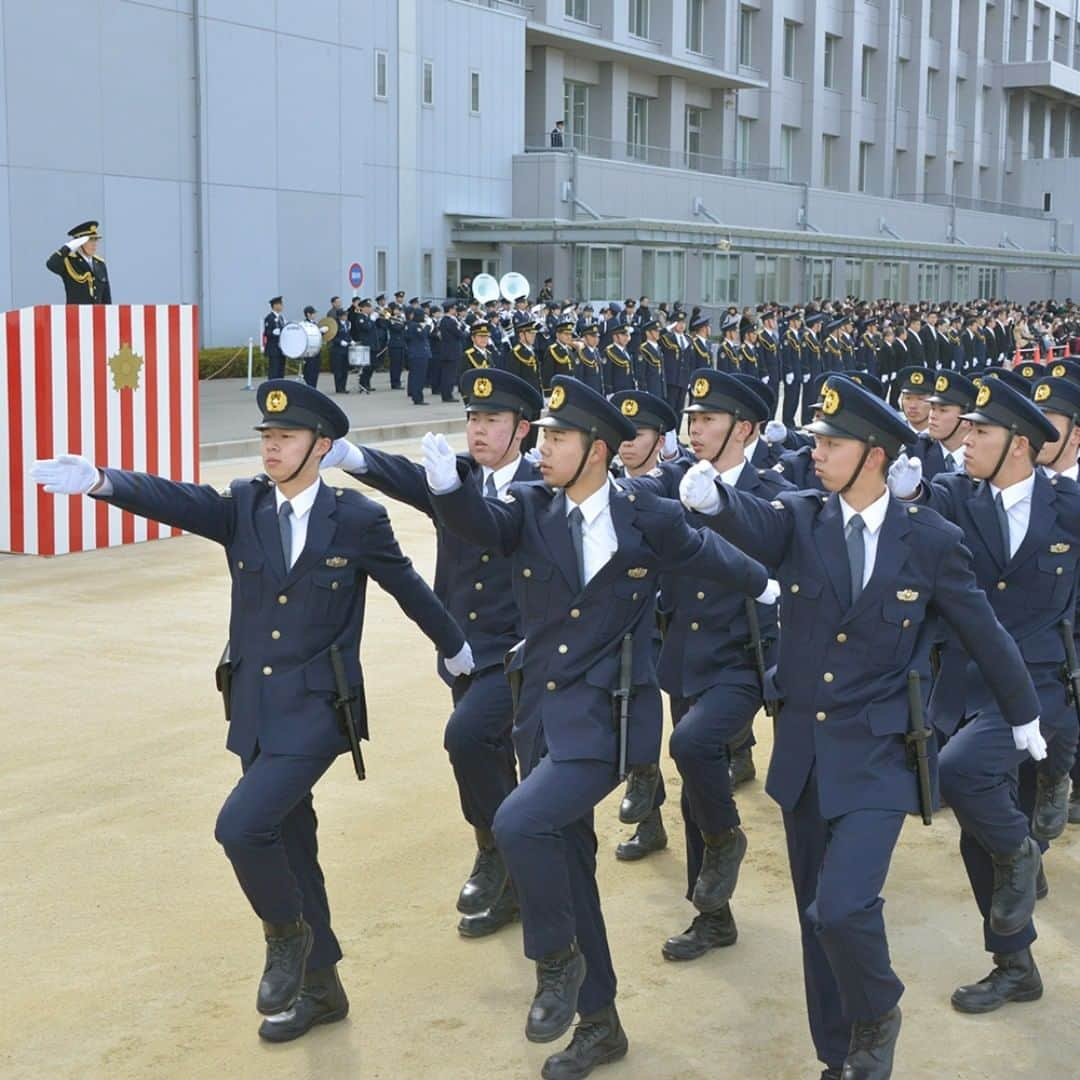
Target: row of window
{"x":427,"y":81}
{"x":640,"y":19}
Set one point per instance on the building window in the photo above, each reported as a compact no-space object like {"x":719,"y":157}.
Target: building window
{"x":380,"y":270}
{"x":766,"y":278}
{"x":695,"y":25}
{"x":692,"y":138}
{"x":578,"y":9}
{"x":744,"y":139}
{"x":962,"y":283}
{"x":639,"y":18}
{"x":832,"y":46}
{"x":791,"y":31}
{"x":931,"y":92}
{"x":719,"y":278}
{"x":865,"y":149}
{"x":928,"y":278}
{"x":890,"y":280}
{"x":576,"y":113}
{"x":598,"y":272}
{"x":382,"y":79}
{"x":901,"y":84}
{"x":986,"y":282}
{"x":787,"y":151}
{"x":427,"y":274}
{"x":474,"y":92}
{"x":853,"y":271}
{"x":427,"y":83}
{"x":746,"y":37}
{"x":820,"y":279}
{"x":867,"y":74}
{"x":828,"y":160}
{"x":663,"y":275}
{"x":637,"y":126}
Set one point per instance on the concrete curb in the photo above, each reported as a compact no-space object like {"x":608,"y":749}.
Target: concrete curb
{"x":240,"y":448}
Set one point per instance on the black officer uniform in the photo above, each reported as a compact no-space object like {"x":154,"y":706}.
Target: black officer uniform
{"x":480,"y":353}
{"x":618,"y":369}
{"x":273,"y":324}
{"x":475,"y":583}
{"x":557,"y":358}
{"x":577,"y":616}
{"x":650,"y":363}
{"x":85,"y":277}
{"x":521,"y":359}
{"x":589,"y":366}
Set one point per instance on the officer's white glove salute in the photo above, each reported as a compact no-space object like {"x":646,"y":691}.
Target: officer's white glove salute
{"x":68,"y":474}
{"x":462,"y":663}
{"x":775,"y":432}
{"x":440,"y":464}
{"x":74,"y":245}
{"x":1028,"y":737}
{"x":905,"y":476}
{"x":697,"y":489}
{"x":344,"y":455}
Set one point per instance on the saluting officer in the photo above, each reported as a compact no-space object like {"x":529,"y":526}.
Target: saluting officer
{"x":864,"y":580}
{"x":650,"y":357}
{"x":585,"y":556}
{"x":82,"y":270}
{"x":300,"y":554}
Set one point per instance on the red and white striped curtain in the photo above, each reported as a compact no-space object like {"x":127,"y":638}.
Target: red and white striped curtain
{"x":117,"y":384}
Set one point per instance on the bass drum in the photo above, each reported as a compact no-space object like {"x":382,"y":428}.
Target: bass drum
{"x":301,"y":340}
{"x":359,"y":355}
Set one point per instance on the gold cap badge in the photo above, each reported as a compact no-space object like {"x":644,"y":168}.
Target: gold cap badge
{"x":558,"y":396}
{"x":629,"y":407}
{"x":942,"y":384}
{"x":482,"y":388}
{"x":830,"y":401}
{"x":1027,"y":371}
{"x":917,"y":378}
{"x":700,"y":388}
{"x":1042,"y":392}
{"x":1058,"y":370}
{"x":984,"y":396}
{"x":276,"y":401}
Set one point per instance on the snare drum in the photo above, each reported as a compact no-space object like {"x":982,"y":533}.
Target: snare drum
{"x":359,"y":355}
{"x":301,"y":340}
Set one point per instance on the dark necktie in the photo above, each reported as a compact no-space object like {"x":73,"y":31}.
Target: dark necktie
{"x":285,"y":528}
{"x":856,"y":550}
{"x":489,"y":487}
{"x":950,"y":463}
{"x":1003,"y":522}
{"x":575,"y":519}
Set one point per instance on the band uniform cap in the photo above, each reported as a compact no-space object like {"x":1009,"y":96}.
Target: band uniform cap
{"x":1002,"y":405}
{"x":480,"y":327}
{"x":717,"y":391}
{"x":916,"y":380}
{"x":565,"y":324}
{"x":530,"y":324}
{"x":762,"y":389}
{"x":952,"y":388}
{"x":867,"y":382}
{"x":1058,"y":395}
{"x":700,"y":321}
{"x":286,"y":403}
{"x":730,"y":323}
{"x":645,"y":410}
{"x":592,"y":328}
{"x":85,"y":228}
{"x":495,"y":390}
{"x":814,"y":319}
{"x":573,"y":406}
{"x":1006,"y":375}
{"x":834,"y":325}
{"x":847,"y":411}
{"x":1063,"y":369}
{"x":651,"y":324}
{"x":275,"y":300}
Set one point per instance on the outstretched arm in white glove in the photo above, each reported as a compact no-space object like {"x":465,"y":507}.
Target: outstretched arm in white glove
{"x":905,"y":476}
{"x":344,"y":455}
{"x":697,"y":489}
{"x":440,"y":464}
{"x":68,"y":474}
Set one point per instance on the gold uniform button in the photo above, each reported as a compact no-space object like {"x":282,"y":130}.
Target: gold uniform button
{"x":575,"y":613}
{"x":1000,"y":585}
{"x":268,"y":670}
{"x":841,"y":638}
{"x":694,"y":626}
{"x":472,"y":616}
{"x":794,"y":588}
{"x":819,"y":716}
{"x":701,"y":596}
{"x":1060,"y":570}
{"x":283,"y":599}
{"x":551,"y":684}
{"x":479,"y":586}
{"x":564,"y":649}
{"x":526,"y":572}
{"x":275,"y":634}
{"x":912,"y":509}
{"x":485,"y":558}
{"x":828,"y":676}
{"x":240,"y":565}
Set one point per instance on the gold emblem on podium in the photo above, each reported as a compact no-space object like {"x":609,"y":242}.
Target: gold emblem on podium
{"x":125,"y":367}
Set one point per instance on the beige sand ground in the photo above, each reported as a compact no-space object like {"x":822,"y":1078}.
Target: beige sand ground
{"x":128,"y":949}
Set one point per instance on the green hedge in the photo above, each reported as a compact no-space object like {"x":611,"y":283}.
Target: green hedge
{"x":230,"y":362}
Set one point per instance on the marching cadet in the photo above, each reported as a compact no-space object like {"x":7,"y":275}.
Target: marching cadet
{"x":82,"y":270}
{"x":300,"y":554}
{"x":912,"y":389}
{"x":650,"y":367}
{"x":273,"y":324}
{"x":676,"y":345}
{"x":728,"y":355}
{"x":1024,"y":533}
{"x":585,"y":558}
{"x":942,"y":444}
{"x":476,"y":586}
{"x":656,"y":425}
{"x":864,"y":582}
{"x":559,"y":357}
{"x":589,"y":365}
{"x":480,"y":353}
{"x":618,"y":367}
{"x":521,"y":361}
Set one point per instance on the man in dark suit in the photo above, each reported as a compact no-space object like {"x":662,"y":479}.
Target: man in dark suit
{"x":557,"y":135}
{"x":300,"y":554}
{"x":931,"y":342}
{"x":586,"y":557}
{"x":273,"y":324}
{"x":452,"y":338}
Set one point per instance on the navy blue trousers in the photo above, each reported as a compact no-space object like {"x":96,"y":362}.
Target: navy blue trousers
{"x":838,"y":869}
{"x":448,"y":378}
{"x":676,"y":397}
{"x":275,"y":366}
{"x":268,"y":827}
{"x":311,"y":369}
{"x":414,"y":385}
{"x":339,"y":364}
{"x":397,"y":364}
{"x":478,"y":741}
{"x":792,"y":392}
{"x":544,"y":829}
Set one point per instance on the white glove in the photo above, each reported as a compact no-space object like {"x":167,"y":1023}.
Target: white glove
{"x":68,"y":474}
{"x":771,"y":593}
{"x":806,"y":377}
{"x":789,"y":378}
{"x":462,"y":663}
{"x":74,"y":245}
{"x":533,"y":456}
{"x":775,"y":432}
{"x":905,"y":476}
{"x":671,"y":445}
{"x":344,"y":455}
{"x":1028,"y":737}
{"x":440,"y":464}
{"x":697,"y":489}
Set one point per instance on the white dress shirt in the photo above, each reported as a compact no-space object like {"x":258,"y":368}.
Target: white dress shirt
{"x":598,"y":539}
{"x":873,"y":518}
{"x":301,"y":513}
{"x":957,"y":456}
{"x":731,"y":476}
{"x":1072,"y":472}
{"x":1017,"y":502}
{"x":504,"y":477}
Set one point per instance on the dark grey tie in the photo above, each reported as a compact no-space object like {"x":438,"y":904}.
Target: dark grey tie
{"x":489,"y":487}
{"x":856,"y":551}
{"x":575,"y":520}
{"x":285,"y":528}
{"x":1003,"y":522}
{"x":950,"y":463}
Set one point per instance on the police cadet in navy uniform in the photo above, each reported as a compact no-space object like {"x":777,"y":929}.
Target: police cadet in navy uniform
{"x":588,"y":363}
{"x":954,"y":395}
{"x":300,"y":554}
{"x":864,"y":580}
{"x":618,"y":364}
{"x":1024,"y":532}
{"x":82,"y":270}
{"x":475,"y":584}
{"x":676,"y":345}
{"x":273,"y":324}
{"x":650,"y":360}
{"x":559,"y":357}
{"x":586,"y":556}
{"x":794,"y":373}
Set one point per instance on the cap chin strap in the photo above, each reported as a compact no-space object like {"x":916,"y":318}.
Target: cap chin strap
{"x":1004,"y":454}
{"x":736,"y":418}
{"x":518,"y":417}
{"x":871,"y":442}
{"x":1064,"y":442}
{"x":592,"y":438}
{"x":316,"y":435}
{"x":955,"y":429}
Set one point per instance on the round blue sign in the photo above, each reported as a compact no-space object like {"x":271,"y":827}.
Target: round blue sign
{"x":356,"y":275}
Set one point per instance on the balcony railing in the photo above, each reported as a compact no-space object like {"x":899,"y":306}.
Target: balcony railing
{"x":962,"y":202}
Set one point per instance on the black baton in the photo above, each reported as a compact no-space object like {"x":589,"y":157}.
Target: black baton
{"x":622,"y":696}
{"x":343,"y":704}
{"x":916,"y":739}
{"x":1072,"y":669}
{"x":223,"y":680}
{"x":759,"y":655}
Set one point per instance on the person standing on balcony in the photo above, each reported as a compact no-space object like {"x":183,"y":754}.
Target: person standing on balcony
{"x":557,"y":135}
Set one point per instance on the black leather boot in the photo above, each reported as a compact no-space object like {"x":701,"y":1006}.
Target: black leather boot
{"x":870,"y":1053}
{"x":637,"y":802}
{"x":712,"y":931}
{"x":832,"y":1073}
{"x":322,"y":1000}
{"x":1013,"y":899}
{"x":1014,"y":978}
{"x":1051,"y":812}
{"x":502,"y":913}
{"x":649,"y":836}
{"x":741,"y":766}
{"x":719,"y":872}
{"x":287,"y":949}
{"x":488,"y":877}
{"x":558,"y":979}
{"x":598,"y":1040}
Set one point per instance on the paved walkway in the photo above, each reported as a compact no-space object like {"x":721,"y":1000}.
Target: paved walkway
{"x":227,"y":414}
